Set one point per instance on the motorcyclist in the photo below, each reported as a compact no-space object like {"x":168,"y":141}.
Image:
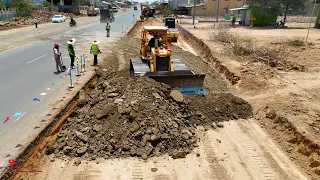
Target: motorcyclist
{"x":71,"y":20}
{"x":108,"y":29}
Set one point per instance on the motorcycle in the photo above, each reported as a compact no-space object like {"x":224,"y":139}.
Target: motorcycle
{"x":72,"y":23}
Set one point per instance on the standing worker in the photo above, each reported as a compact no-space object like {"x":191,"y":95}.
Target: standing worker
{"x":71,"y":51}
{"x":108,"y":29}
{"x":95,"y":51}
{"x":56,"y":55}
{"x":233,"y":22}
{"x":35,"y":22}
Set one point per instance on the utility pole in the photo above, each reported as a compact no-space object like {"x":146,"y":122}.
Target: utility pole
{"x":194,"y":11}
{"x":218,"y":6}
{"x":314,"y":6}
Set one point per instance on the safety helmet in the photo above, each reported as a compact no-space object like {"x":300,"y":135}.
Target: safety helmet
{"x":56,"y":45}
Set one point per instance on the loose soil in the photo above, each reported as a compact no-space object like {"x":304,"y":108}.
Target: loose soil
{"x":124,"y":116}
{"x":42,"y":17}
{"x":290,"y":90}
{"x":239,"y":150}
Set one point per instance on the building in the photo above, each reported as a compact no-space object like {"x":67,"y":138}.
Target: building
{"x":206,"y":7}
{"x":209,"y":7}
{"x":255,"y":16}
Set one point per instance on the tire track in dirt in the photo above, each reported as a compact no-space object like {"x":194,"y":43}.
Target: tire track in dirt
{"x":137,"y":171}
{"x":217,"y":171}
{"x":247,"y":153}
{"x":122,"y":60}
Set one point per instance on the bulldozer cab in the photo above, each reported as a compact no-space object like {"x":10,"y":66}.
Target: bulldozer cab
{"x":159,"y":42}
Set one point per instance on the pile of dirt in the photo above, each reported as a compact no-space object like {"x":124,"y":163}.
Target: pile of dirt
{"x":221,"y":106}
{"x":124,"y":116}
{"x":291,"y":66}
{"x":136,"y":31}
{"x":42,"y":17}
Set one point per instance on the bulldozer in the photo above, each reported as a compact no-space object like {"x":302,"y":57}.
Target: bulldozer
{"x":146,"y":12}
{"x":170,"y":22}
{"x":156,"y":62}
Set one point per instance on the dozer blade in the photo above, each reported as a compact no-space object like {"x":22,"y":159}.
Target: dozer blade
{"x":186,"y":81}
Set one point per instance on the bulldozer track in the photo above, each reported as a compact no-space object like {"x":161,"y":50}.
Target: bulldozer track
{"x":218,"y":172}
{"x":137,"y":171}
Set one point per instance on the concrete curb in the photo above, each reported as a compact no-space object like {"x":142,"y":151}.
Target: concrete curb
{"x":132,"y":26}
{"x":207,"y":56}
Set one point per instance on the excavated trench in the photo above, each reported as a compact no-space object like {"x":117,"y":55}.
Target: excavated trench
{"x":207,"y":55}
{"x":299,"y":147}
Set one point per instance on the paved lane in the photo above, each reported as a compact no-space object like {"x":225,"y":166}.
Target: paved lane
{"x":27,"y":71}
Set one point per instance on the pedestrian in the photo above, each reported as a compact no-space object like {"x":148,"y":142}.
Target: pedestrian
{"x":95,"y":51}
{"x":71,"y":51}
{"x":57,"y":56}
{"x":35,"y":22}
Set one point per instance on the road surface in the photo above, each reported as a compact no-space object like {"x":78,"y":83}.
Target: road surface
{"x":28,"y":70}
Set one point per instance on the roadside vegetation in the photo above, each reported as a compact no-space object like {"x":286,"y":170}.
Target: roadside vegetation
{"x":247,"y":46}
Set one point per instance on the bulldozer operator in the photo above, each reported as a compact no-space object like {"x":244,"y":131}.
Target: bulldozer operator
{"x":152,"y":41}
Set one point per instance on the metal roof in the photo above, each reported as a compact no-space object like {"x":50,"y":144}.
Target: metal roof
{"x":241,"y":8}
{"x":153,"y":28}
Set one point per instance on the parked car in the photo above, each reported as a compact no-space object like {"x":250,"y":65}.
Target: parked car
{"x":58,"y":18}
{"x":114,"y":9}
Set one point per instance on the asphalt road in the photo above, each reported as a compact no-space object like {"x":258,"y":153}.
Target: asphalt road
{"x":26,"y":72}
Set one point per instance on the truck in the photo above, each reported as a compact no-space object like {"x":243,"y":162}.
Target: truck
{"x":106,"y":13}
{"x":91,"y":11}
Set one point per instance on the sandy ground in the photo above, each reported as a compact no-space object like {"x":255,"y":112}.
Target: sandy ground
{"x":291,"y":93}
{"x":240,"y":150}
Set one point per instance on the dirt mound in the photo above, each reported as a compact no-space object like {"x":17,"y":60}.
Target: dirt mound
{"x":125,"y":116}
{"x":42,"y":17}
{"x":136,"y":31}
{"x":220,"y":107}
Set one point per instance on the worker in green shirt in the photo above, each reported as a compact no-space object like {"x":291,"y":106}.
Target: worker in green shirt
{"x":95,"y":51}
{"x":108,"y":29}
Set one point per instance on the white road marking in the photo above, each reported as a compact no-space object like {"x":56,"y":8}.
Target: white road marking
{"x":37,"y":58}
{"x":15,"y":48}
{"x":20,"y":117}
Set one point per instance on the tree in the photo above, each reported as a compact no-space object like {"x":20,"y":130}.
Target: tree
{"x":318,"y":19}
{"x":47,"y":4}
{"x":2,"y":4}
{"x":82,"y":2}
{"x":293,"y":6}
{"x":155,"y":3}
{"x":23,"y":7}
{"x":129,"y":4}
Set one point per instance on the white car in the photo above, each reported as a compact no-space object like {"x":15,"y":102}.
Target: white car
{"x":58,"y":18}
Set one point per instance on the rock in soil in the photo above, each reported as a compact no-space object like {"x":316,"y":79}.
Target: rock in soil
{"x":180,"y":154}
{"x":154,"y":169}
{"x":150,"y":120}
{"x":220,"y":124}
{"x":77,"y":162}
